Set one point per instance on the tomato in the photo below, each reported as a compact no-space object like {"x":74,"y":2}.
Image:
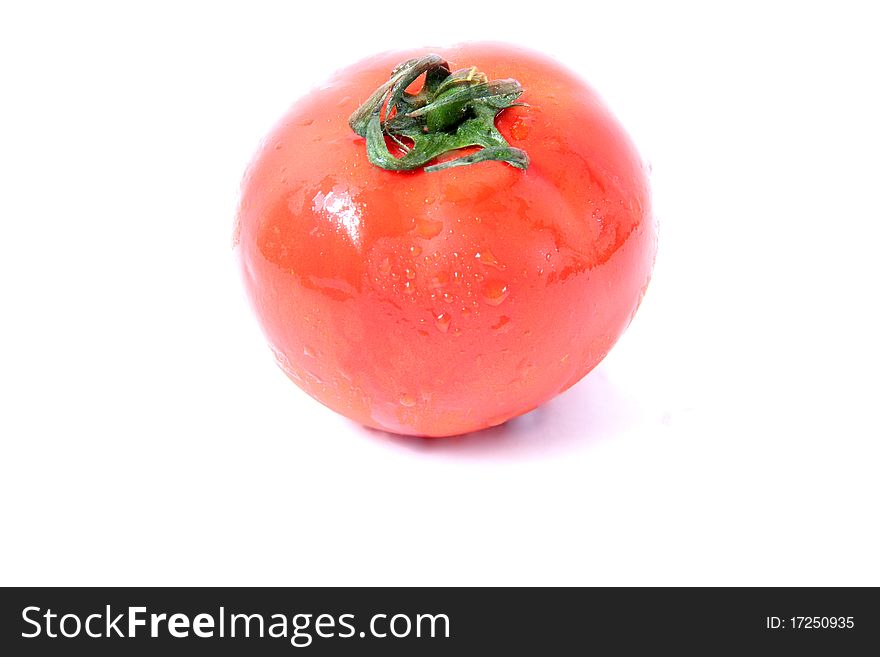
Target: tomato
{"x":440,"y":302}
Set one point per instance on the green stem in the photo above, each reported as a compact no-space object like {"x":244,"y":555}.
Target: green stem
{"x":453,"y":110}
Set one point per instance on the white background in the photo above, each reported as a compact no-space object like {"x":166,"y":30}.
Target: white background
{"x":148,"y":438}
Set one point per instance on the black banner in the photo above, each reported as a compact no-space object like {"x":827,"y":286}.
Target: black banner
{"x":444,"y":621}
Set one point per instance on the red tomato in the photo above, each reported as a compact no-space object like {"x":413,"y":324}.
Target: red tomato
{"x":437,"y":303}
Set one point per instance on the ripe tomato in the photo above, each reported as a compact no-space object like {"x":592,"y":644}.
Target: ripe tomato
{"x":441,"y":302}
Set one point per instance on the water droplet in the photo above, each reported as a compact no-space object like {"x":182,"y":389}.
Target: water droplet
{"x":495,"y":292}
{"x":308,"y":351}
{"x":457,"y":277}
{"x":408,"y":287}
{"x":448,"y":297}
{"x":487,"y":258}
{"x":415,"y":250}
{"x":547,"y":256}
{"x":410,"y":274}
{"x":478,"y":276}
{"x":442,"y":321}
{"x":440,"y":280}
{"x":407,"y":400}
{"x":385,"y":267}
{"x":502,"y":324}
{"x":278,"y":146}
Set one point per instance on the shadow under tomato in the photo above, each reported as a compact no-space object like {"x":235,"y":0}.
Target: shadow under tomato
{"x":589,"y":412}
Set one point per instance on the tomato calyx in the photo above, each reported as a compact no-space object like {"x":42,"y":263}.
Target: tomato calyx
{"x":453,"y":110}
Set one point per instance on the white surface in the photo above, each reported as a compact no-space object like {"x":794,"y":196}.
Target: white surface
{"x":731,"y":437}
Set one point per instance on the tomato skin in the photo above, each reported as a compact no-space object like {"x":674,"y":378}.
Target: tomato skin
{"x":441,"y":303}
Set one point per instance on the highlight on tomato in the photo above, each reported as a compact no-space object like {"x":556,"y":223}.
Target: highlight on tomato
{"x":437,"y":241}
